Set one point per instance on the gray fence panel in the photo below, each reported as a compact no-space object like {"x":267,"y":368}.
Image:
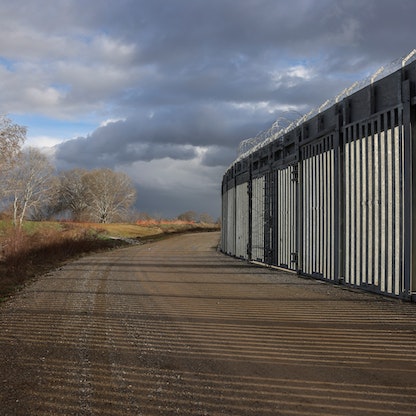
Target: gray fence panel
{"x":286,"y":195}
{"x":374,"y":203}
{"x":224,"y":222}
{"x":318,"y":181}
{"x":258,"y":207}
{"x":242,"y":220}
{"x":231,"y":221}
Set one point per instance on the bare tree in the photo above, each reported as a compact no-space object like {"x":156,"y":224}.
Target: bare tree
{"x":12,"y":136}
{"x":47,"y":209}
{"x":206,"y":218}
{"x":110,"y":195}
{"x":189,"y":216}
{"x":73,"y":193}
{"x":28,"y":184}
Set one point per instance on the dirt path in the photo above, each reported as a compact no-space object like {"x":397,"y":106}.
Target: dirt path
{"x":175,"y":328}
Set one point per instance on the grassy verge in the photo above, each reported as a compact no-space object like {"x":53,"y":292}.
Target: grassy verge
{"x":42,"y":246}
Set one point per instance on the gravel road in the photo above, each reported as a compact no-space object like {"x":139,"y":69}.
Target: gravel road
{"x":176,"y":328}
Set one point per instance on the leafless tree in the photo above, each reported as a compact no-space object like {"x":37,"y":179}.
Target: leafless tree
{"x":110,"y":195}
{"x":206,"y":218}
{"x":73,"y":193}
{"x":189,"y":216}
{"x":12,"y":136}
{"x":28,"y":183}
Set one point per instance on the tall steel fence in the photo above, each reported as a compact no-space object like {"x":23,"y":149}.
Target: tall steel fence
{"x":334,"y":197}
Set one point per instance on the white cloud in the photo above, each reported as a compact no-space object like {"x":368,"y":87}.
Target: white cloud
{"x":110,"y":121}
{"x":42,"y":141}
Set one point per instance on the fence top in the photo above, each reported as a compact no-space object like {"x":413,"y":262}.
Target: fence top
{"x":284,"y":125}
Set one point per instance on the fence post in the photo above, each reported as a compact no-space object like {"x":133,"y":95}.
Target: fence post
{"x":338,"y":200}
{"x":409,"y":159}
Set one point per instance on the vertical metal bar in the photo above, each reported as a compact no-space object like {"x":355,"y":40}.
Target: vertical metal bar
{"x":263,"y":222}
{"x":373,"y":201}
{"x":320,"y":211}
{"x":383,"y":224}
{"x":359,"y":205}
{"x":304,"y":222}
{"x":307,"y":213}
{"x":287,"y":216}
{"x":289,"y":213}
{"x":323,"y":219}
{"x":250,"y":214}
{"x":312,"y":216}
{"x":364,"y":204}
{"x":238,"y":221}
{"x":245,"y":219}
{"x":394,"y":224}
{"x":272,"y":216}
{"x":409,"y":162}
{"x":354,"y":205}
{"x":224,"y":220}
{"x":267,"y":218}
{"x":288,"y":176}
{"x":316,"y":213}
{"x":282,"y":216}
{"x":377,"y":208}
{"x":398,"y":206}
{"x":337,"y":208}
{"x":326,"y":211}
{"x":401,"y":201}
{"x":370,"y":200}
{"x":366,"y":179}
{"x":347,"y":238}
{"x":231,"y":221}
{"x":295,"y":185}
{"x":282,"y":209}
{"x":310,"y":211}
{"x":333,"y":212}
{"x":389,"y":203}
{"x":300,"y":242}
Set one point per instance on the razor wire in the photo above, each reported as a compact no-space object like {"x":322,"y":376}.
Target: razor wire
{"x":285,"y":123}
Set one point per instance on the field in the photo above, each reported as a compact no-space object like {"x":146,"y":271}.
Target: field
{"x":42,"y":246}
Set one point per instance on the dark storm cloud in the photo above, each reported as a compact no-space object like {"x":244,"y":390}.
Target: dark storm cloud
{"x":188,"y":79}
{"x":218,"y":156}
{"x":173,"y":133}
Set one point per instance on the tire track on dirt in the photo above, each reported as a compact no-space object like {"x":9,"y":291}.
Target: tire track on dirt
{"x":175,"y":327}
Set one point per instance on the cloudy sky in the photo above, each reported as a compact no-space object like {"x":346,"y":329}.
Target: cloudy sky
{"x":164,"y":90}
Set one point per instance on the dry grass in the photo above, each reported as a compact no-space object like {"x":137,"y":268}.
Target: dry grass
{"x":42,"y":246}
{"x":26,"y":254}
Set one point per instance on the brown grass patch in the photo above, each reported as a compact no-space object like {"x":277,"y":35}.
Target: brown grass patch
{"x":25,"y":255}
{"x":42,"y":246}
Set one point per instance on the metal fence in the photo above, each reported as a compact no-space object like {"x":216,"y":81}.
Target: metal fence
{"x":334,"y":197}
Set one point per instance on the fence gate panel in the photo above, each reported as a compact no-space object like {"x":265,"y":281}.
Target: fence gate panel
{"x":318,"y":182}
{"x":374,"y":203}
{"x":231,"y":221}
{"x":242,"y":218}
{"x":224,"y":230}
{"x":286,"y":218}
{"x":257,"y":226}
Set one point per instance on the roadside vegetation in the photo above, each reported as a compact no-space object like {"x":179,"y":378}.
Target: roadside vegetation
{"x":40,"y":246}
{"x":47,"y":218}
